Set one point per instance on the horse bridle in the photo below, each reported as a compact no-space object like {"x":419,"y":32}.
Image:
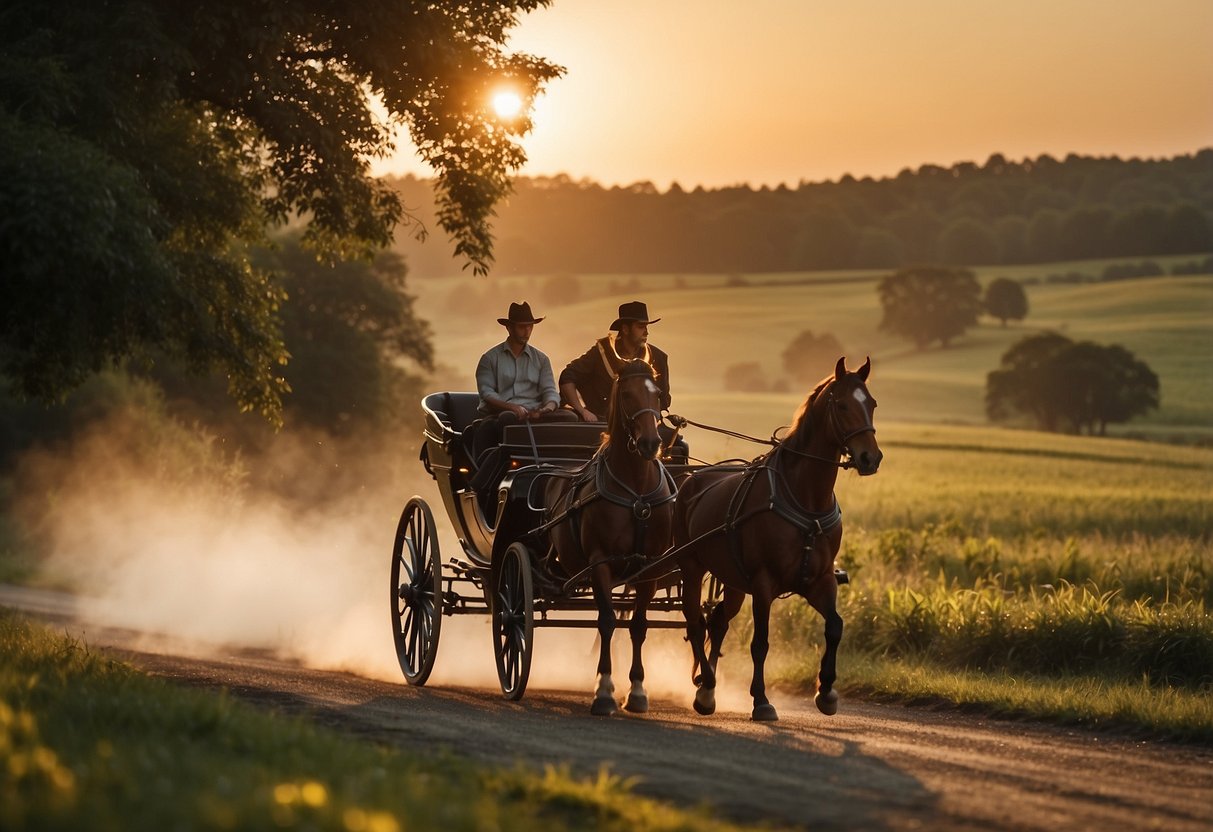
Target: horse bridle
{"x":630,"y":419}
{"x":839,"y":436}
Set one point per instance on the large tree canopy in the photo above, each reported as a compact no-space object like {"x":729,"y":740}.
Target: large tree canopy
{"x":1072,"y":386}
{"x":146,"y":146}
{"x":929,"y":303}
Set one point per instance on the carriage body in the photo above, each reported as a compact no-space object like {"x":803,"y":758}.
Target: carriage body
{"x":503,"y":570}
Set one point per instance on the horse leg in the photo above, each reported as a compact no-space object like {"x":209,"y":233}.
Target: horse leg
{"x":718,"y":628}
{"x":826,"y":697}
{"x":604,"y":694}
{"x":718,"y":622}
{"x":764,"y":711}
{"x":692,"y":611}
{"x":638,"y":697}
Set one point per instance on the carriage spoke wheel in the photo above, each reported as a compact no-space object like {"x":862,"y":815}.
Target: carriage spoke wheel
{"x":513,"y":619}
{"x":416,"y":591}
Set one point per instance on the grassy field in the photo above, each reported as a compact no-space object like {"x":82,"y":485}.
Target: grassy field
{"x":708,"y":325}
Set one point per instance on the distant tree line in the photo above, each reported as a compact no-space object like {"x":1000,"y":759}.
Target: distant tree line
{"x":999,"y":212}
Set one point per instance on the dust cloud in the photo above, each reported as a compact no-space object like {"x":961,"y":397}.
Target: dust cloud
{"x":208,"y":566}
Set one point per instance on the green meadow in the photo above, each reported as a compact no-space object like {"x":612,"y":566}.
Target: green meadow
{"x":707,"y":325}
{"x":999,"y":567}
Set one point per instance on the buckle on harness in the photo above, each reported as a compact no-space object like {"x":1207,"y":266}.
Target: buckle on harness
{"x":642,"y":510}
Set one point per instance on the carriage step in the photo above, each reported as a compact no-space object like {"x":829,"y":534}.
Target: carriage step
{"x":841,"y":576}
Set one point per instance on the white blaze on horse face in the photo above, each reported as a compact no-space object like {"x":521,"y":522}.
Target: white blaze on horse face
{"x":651,"y":387}
{"x":862,"y":398}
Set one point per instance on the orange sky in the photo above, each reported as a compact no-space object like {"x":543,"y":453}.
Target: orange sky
{"x":768,"y":91}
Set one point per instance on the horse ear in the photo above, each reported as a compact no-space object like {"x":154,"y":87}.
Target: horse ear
{"x":841,"y":369}
{"x":865,"y":369}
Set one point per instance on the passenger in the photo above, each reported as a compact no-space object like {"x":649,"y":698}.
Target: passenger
{"x":585,"y":384}
{"x":516,"y":384}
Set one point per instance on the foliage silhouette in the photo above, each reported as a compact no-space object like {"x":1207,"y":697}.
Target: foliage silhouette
{"x":144,"y":148}
{"x":929,"y":303}
{"x":1070,"y":386}
{"x":1006,"y":300}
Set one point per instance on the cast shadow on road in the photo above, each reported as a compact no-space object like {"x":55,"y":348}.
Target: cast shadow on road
{"x":790,"y":772}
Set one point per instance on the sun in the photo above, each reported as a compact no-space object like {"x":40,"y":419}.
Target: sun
{"x":507,"y":103}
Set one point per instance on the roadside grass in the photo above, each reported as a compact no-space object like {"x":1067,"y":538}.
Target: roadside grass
{"x":1114,"y":705}
{"x":89,"y":743}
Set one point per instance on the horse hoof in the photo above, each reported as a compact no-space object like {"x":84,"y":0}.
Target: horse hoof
{"x":705,"y":702}
{"x":603,"y":706}
{"x":827,"y":702}
{"x":637,"y":704}
{"x":764,"y":713}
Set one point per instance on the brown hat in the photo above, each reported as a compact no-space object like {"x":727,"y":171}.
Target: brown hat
{"x":520,"y":313}
{"x":633,"y":312}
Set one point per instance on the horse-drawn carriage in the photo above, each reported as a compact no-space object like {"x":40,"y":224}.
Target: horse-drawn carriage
{"x":582,"y":523}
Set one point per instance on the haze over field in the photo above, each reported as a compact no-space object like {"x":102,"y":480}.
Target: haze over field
{"x":717,"y":93}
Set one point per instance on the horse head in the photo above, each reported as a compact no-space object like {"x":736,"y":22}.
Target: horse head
{"x":849,"y":410}
{"x":635,"y":409}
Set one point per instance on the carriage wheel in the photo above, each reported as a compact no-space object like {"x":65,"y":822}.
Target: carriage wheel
{"x":513,"y":620}
{"x":416,"y":592}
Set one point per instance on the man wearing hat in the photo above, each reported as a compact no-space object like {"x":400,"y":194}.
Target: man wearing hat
{"x":585,"y":384}
{"x":514,"y":377}
{"x":516,"y":384}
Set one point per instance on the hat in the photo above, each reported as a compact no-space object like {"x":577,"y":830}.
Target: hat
{"x":633,"y":312}
{"x":520,"y":313}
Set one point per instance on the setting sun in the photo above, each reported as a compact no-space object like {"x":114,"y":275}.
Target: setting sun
{"x":507,"y":103}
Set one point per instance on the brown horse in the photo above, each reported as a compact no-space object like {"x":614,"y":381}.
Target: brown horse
{"x":613,"y":518}
{"x":773,"y":527}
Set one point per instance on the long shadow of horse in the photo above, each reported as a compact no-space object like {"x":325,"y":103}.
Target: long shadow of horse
{"x":790,"y":773}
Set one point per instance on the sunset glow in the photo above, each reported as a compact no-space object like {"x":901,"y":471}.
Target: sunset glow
{"x":772,"y":92}
{"x":507,"y":104}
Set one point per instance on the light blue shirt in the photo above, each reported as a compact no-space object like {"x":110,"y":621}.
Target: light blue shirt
{"x":526,"y":380}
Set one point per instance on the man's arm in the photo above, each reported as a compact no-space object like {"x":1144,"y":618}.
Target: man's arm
{"x":569,"y":377}
{"x":663,"y":377}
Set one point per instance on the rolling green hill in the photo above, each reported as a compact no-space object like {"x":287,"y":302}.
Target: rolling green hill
{"x":708,"y":324}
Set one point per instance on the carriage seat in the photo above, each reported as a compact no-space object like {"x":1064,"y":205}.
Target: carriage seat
{"x":456,"y":411}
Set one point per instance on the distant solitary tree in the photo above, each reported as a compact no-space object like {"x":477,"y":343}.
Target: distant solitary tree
{"x":809,"y":357}
{"x":929,"y":303}
{"x":1070,"y":386}
{"x":1006,"y":300}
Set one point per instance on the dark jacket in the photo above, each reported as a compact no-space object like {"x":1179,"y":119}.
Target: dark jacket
{"x":589,"y":372}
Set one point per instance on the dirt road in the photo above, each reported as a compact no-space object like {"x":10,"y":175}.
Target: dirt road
{"x":871,"y":767}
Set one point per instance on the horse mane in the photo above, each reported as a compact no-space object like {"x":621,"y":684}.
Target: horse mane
{"x":801,"y":424}
{"x":630,"y":369}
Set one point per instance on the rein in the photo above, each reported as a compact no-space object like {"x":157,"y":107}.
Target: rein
{"x":781,"y":444}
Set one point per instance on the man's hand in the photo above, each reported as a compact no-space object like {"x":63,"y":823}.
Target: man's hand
{"x":586,"y":414}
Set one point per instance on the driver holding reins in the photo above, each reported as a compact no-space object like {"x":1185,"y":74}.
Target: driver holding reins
{"x":585,"y":383}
